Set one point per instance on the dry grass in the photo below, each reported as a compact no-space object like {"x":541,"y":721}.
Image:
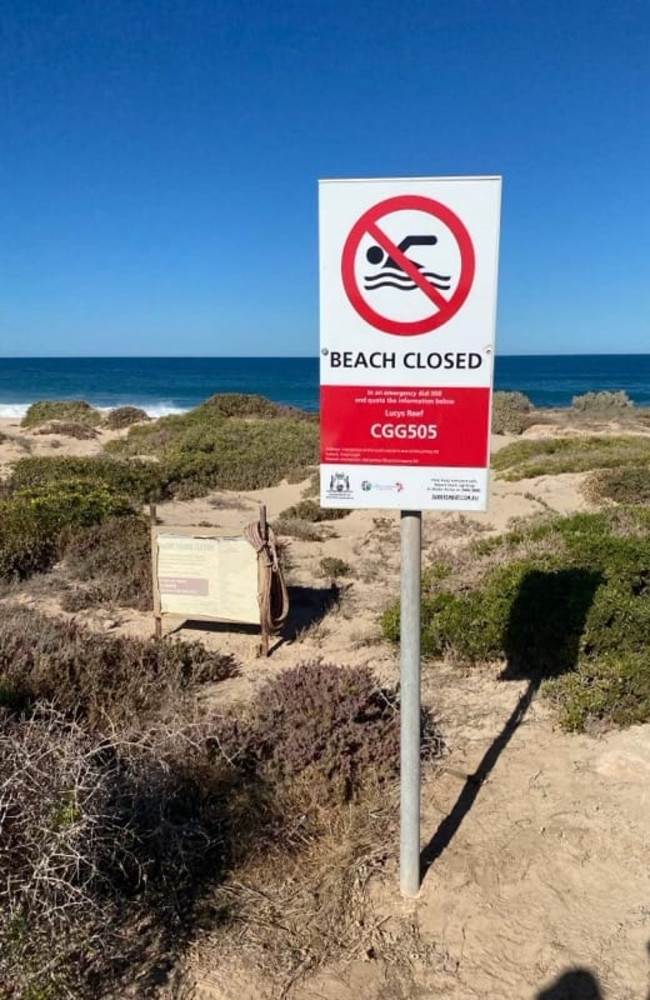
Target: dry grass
{"x":82,"y":432}
{"x":292,"y":915}
{"x":104,"y":679}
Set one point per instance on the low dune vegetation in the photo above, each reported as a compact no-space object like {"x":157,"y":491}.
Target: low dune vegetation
{"x":565,"y":601}
{"x":231,"y":441}
{"x":128,"y":819}
{"x":139,"y":805}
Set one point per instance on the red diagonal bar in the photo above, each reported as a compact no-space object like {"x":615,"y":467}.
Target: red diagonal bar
{"x":407,"y":265}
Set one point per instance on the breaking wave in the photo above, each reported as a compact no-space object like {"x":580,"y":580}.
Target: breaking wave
{"x":17,"y":411}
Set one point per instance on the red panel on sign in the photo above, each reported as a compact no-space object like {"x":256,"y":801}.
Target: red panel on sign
{"x":364,"y":425}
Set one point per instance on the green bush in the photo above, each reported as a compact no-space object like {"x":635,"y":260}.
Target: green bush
{"x":311,"y":510}
{"x":74,"y":410}
{"x":233,"y":442}
{"x":599,"y":401}
{"x":552,"y":456}
{"x":629,"y":485}
{"x":125,"y":416}
{"x":510,"y":412}
{"x":140,"y":481}
{"x":568,"y":614}
{"x":613,"y":689}
{"x":35,"y":522}
{"x":332,"y":567}
{"x":296,"y":527}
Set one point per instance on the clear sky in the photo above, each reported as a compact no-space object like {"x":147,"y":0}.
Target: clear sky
{"x":159,"y":162}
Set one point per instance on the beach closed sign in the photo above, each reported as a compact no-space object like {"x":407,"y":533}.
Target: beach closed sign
{"x":408,"y":293}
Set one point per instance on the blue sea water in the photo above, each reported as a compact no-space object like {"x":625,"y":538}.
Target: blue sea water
{"x":172,"y":385}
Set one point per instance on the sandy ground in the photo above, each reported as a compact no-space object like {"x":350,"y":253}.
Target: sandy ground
{"x":537,"y":842}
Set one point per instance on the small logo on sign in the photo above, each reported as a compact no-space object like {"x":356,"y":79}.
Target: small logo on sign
{"x":339,"y":486}
{"x":366,"y":486}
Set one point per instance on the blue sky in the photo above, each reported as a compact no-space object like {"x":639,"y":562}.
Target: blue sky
{"x":160,"y":159}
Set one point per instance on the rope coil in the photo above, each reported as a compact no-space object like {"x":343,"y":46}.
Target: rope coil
{"x":273,"y":595}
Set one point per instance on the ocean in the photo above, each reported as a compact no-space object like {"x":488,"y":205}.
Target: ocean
{"x":172,"y":385}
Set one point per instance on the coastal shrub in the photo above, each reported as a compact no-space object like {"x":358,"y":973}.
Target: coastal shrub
{"x":330,"y":730}
{"x":311,"y":510}
{"x":111,"y":841}
{"x":140,"y":481}
{"x":113,"y":562}
{"x":333,"y":567}
{"x":108,"y":844}
{"x":35,"y":522}
{"x":68,"y":428}
{"x":303,"y":531}
{"x":568,"y":612}
{"x":629,"y":485}
{"x":240,"y":404}
{"x":125,"y":416}
{"x":552,"y":456}
{"x":510,"y":412}
{"x":75,"y":411}
{"x":232,"y":442}
{"x":599,"y":401}
{"x":100,"y":677}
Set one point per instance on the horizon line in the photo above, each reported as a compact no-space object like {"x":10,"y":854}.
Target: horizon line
{"x":284,"y":357}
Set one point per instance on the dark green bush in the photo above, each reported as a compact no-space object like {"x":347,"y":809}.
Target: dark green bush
{"x":125,"y":416}
{"x":99,"y":676}
{"x":311,"y":510}
{"x":613,"y":689}
{"x":510,"y":412}
{"x":140,"y":481}
{"x":332,"y":567}
{"x":74,"y":410}
{"x":36,"y":521}
{"x":569,"y":614}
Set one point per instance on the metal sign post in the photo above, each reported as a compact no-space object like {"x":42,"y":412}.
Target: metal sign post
{"x":411,"y":532}
{"x":408,"y":286}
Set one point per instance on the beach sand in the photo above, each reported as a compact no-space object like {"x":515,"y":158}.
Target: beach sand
{"x":542,"y":868}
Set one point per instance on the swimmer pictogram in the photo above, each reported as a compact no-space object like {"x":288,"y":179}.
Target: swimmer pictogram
{"x":435,"y":294}
{"x":391,"y":275}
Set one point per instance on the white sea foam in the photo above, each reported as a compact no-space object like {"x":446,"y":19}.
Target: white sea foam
{"x":161,"y":409}
{"x":16,"y":411}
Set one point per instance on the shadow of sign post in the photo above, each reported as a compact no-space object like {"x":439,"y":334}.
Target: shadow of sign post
{"x":541,"y":639}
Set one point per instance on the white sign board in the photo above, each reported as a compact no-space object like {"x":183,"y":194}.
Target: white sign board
{"x":408,"y":290}
{"x":208,"y":578}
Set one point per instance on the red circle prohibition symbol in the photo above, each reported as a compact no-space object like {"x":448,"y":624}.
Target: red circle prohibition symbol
{"x":445,"y":307}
